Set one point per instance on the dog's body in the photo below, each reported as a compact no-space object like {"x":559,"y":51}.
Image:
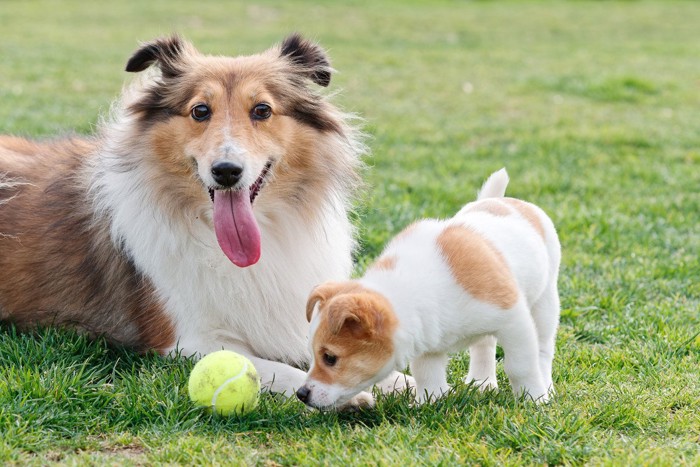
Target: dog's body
{"x":133,"y":234}
{"x":442,"y":286}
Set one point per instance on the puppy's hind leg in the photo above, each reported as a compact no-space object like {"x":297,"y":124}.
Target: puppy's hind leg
{"x":521,"y":361}
{"x":430,"y":371}
{"x":545,"y":313}
{"x":482,"y":363}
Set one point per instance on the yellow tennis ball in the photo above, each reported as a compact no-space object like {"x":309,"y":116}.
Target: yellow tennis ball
{"x":225,"y":382}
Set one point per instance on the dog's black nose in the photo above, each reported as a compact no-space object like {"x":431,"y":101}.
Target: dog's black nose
{"x":226,"y":173}
{"x":303,"y":394}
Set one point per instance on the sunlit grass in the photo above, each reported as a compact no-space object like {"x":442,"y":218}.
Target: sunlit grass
{"x":592,"y":106}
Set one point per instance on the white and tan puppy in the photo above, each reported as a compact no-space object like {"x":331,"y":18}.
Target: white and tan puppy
{"x":487,"y":274}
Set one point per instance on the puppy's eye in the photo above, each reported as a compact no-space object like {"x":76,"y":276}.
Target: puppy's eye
{"x":261,"y":111}
{"x":329,"y":359}
{"x":201,"y":112}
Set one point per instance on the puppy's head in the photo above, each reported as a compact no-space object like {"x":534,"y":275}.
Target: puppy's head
{"x":351,"y":342}
{"x":245,"y":128}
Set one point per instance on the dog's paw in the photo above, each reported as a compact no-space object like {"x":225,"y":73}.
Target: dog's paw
{"x":483,"y":385}
{"x":426,"y":396}
{"x":397,"y":382}
{"x":363,"y":400}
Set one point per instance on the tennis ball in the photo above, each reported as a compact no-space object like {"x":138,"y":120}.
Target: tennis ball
{"x":225,"y":382}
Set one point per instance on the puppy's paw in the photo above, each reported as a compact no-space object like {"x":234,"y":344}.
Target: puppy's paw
{"x":427,"y":396}
{"x":397,"y":382}
{"x":363,"y":400}
{"x":483,"y":384}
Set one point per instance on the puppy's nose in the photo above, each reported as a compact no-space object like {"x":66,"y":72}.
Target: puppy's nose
{"x":303,"y":394}
{"x":226,"y":173}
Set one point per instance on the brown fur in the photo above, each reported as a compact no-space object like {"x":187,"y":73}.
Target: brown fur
{"x":478,"y":267}
{"x":58,"y":264}
{"x":356,"y":326}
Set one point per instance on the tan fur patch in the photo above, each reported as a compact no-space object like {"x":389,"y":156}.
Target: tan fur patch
{"x":357,"y":328}
{"x":528,"y":212}
{"x":491,"y":206}
{"x":478,"y":267}
{"x":384,"y":263}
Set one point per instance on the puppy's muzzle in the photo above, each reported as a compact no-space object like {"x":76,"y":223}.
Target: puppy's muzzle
{"x":226,"y":173}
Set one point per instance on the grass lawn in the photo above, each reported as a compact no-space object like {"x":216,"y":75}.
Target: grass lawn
{"x":594,"y":108}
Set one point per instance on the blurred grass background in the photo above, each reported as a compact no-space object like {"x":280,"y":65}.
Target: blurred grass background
{"x":593,"y":107}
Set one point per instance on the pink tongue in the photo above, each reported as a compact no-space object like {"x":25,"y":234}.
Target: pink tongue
{"x":236,"y":230}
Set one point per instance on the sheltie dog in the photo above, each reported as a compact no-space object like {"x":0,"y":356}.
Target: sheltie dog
{"x":208,"y":204}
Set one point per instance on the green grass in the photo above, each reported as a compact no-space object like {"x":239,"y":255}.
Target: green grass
{"x":594,"y":108}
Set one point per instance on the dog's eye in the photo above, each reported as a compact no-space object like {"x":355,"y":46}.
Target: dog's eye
{"x":201,"y":112}
{"x":261,"y":112}
{"x":329,"y":359}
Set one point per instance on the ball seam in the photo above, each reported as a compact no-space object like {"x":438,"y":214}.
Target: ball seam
{"x":225,"y":383}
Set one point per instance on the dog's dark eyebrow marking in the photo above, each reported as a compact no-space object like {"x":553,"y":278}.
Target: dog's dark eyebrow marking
{"x":313,"y":115}
{"x":158,"y":106}
{"x":304,"y":106}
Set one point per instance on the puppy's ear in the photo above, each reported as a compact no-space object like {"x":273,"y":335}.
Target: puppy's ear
{"x":320,"y":294}
{"x":361,"y":314}
{"x":314,"y":298}
{"x":326,"y":291}
{"x":167,"y":52}
{"x":344,"y":319}
{"x":309,"y":58}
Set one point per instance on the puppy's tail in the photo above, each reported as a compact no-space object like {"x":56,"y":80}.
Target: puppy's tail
{"x":495,"y":185}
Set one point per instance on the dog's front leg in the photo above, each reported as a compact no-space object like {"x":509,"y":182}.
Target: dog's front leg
{"x":397,"y":382}
{"x":274,"y":376}
{"x":278,"y":377}
{"x":283,"y":379}
{"x":430,"y":371}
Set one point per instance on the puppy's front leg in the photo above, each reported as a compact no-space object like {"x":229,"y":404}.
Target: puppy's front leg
{"x":430,"y":371}
{"x":482,"y":363}
{"x":397,"y":382}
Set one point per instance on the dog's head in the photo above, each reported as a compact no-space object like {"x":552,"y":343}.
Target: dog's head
{"x":351,"y":342}
{"x":240,"y":126}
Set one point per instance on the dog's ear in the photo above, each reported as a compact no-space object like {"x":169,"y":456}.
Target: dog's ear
{"x":320,"y":294}
{"x":362,"y":314}
{"x":314,"y":298}
{"x":308,"y":57}
{"x":349,"y":320}
{"x":325,"y":292}
{"x":166,"y":52}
